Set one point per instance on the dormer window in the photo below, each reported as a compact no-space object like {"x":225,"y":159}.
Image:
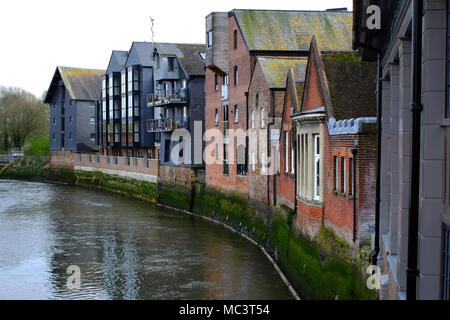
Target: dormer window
{"x":171,"y":63}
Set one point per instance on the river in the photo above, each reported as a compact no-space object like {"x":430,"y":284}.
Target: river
{"x":123,"y":249}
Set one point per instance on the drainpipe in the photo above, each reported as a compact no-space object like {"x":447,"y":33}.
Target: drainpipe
{"x":354,"y":153}
{"x":376,"y":250}
{"x":416,"y":108}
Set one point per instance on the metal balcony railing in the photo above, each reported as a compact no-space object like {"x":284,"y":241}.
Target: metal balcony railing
{"x":161,"y":97}
{"x":166,"y":125}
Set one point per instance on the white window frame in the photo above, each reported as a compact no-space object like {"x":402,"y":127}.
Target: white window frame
{"x":337,"y":172}
{"x":263,"y":162}
{"x":253,"y":161}
{"x":286,"y":160}
{"x":253,"y":119}
{"x":263,"y":115}
{"x":344,"y":163}
{"x":317,"y":192}
{"x":292,"y":161}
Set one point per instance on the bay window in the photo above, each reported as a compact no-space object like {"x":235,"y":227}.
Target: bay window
{"x":316,"y":167}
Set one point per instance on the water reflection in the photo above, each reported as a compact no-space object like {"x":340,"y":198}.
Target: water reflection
{"x":125,"y":249}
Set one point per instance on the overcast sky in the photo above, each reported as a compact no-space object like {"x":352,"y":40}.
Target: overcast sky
{"x":38,"y":35}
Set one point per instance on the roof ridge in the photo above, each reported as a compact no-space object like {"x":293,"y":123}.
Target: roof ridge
{"x":286,"y":10}
{"x":79,"y":68}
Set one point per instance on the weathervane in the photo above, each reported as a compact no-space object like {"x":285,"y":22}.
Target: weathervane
{"x":153,"y":33}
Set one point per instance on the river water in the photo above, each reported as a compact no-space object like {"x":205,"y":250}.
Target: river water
{"x":123,"y":249}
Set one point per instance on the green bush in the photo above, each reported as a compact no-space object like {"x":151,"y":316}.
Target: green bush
{"x":37,"y":147}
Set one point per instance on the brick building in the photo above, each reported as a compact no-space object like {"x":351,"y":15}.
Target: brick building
{"x":335,"y":145}
{"x":235,"y":40}
{"x":265,"y":106}
{"x":285,"y":179}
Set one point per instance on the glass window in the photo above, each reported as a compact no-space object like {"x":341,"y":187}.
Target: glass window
{"x":130,"y":79}
{"x":216,"y":82}
{"x":111,"y":85}
{"x":286,"y":160}
{"x":236,"y":114}
{"x":253,"y":119}
{"x":235,"y":39}
{"x":171,"y":63}
{"x":236,"y":76}
{"x":216,"y":119}
{"x":263,"y":118}
{"x":317,"y":167}
{"x":253,"y":161}
{"x":136,"y":79}
{"x":124,"y":82}
{"x":241,"y":161}
{"x":344,"y":167}
{"x":103,"y":88}
{"x":292,"y":159}
{"x":210,"y":38}
{"x":336,"y":173}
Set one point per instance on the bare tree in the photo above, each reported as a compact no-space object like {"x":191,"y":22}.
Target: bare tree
{"x":22,"y":115}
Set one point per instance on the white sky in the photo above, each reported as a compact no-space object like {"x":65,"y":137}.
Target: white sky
{"x":38,"y":35}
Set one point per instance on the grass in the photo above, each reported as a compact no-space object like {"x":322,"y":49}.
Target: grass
{"x":37,"y":147}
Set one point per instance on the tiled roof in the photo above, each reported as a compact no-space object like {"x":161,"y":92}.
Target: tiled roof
{"x":292,"y":30}
{"x":351,"y":84}
{"x":276,"y":69}
{"x":82,"y":84}
{"x":188,"y":56}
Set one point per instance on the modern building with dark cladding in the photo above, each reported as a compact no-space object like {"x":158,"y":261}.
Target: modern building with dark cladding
{"x":126,"y":85}
{"x":178,"y":100}
{"x":72,"y":97}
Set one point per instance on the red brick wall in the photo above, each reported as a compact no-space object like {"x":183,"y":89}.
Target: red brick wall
{"x":313,"y":97}
{"x":62,"y":159}
{"x":259,"y":185}
{"x":309,"y":218}
{"x":152,"y":168}
{"x":286,"y":181}
{"x":338,"y":214}
{"x":241,"y":58}
{"x":175,"y":174}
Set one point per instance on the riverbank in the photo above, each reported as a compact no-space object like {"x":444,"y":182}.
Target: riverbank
{"x":36,"y":169}
{"x":320,"y":268}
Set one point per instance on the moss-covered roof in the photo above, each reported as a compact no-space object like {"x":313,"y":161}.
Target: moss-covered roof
{"x":276,"y":69}
{"x":292,"y":30}
{"x":82,"y":84}
{"x":351,"y":84}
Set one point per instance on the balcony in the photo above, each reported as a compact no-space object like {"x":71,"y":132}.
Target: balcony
{"x":167,"y":125}
{"x":160,"y":98}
